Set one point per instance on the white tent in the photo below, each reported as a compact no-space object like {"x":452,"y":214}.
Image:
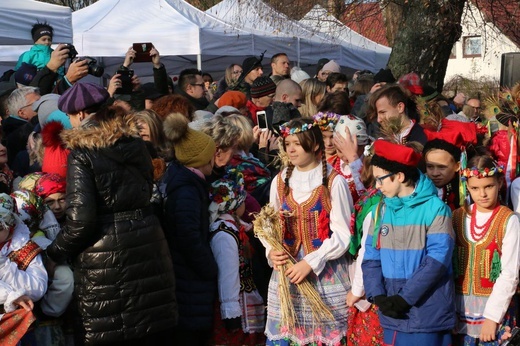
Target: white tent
{"x":183,"y":35}
{"x":17,"y":18}
{"x":250,"y":15}
{"x":319,"y":19}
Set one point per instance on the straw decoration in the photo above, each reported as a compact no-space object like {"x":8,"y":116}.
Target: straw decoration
{"x":268,"y":227}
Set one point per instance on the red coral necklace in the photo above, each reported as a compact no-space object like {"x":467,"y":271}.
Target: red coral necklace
{"x":482,"y":230}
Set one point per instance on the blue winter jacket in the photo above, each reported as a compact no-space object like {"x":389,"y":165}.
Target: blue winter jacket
{"x":416,"y":242}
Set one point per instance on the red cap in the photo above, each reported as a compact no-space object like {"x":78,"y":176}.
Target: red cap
{"x":397,"y":152}
{"x":454,"y":132}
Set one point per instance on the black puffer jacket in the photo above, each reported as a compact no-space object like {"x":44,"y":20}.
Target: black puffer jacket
{"x":186,"y":225}
{"x":123,"y":273}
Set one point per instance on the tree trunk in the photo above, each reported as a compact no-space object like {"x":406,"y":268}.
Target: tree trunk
{"x":425,"y":38}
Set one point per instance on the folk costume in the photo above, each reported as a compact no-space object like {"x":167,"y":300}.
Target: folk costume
{"x":240,"y":317}
{"x":486,"y":265}
{"x":316,"y":229}
{"x":453,"y":137}
{"x":21,"y":273}
{"x":407,"y":262}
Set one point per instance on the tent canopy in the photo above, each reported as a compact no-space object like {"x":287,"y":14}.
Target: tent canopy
{"x":319,"y":18}
{"x":17,"y":18}
{"x":316,"y":44}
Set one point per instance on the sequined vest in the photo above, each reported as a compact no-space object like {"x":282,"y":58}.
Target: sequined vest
{"x":477,"y":264}
{"x":306,"y":224}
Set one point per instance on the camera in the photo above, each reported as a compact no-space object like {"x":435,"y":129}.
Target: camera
{"x":93,"y":68}
{"x":72,"y":50}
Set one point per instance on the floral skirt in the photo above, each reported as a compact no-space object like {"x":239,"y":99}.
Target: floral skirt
{"x":364,"y":328}
{"x":332,"y":285}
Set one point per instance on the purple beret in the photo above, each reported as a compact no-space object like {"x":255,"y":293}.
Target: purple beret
{"x":82,"y":96}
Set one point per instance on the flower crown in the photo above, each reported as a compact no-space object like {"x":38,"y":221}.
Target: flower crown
{"x":326,"y":121}
{"x":480,"y":173}
{"x":287,"y":131}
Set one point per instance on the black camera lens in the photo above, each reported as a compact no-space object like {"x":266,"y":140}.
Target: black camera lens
{"x":95,"y":70}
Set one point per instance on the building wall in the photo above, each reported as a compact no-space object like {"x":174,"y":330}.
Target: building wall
{"x":493,"y":45}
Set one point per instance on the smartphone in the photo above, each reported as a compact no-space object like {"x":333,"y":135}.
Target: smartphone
{"x":514,"y":340}
{"x":363,"y":305}
{"x":262,"y":120}
{"x":142,"y":51}
{"x":126,"y":81}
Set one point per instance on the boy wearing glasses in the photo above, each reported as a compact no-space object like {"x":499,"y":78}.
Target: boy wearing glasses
{"x":407,"y":263}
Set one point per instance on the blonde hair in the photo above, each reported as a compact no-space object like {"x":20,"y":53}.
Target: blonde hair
{"x":311,"y":88}
{"x":224,"y":133}
{"x":157,"y":137}
{"x":246,"y":138}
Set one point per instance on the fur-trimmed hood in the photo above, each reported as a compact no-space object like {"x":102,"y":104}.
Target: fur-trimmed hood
{"x":101,"y":135}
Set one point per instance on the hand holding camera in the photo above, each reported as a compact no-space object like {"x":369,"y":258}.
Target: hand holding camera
{"x":77,"y":70}
{"x":58,"y":58}
{"x":129,"y":57}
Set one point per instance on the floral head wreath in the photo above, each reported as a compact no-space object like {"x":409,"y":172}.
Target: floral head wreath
{"x":287,"y":131}
{"x":480,"y":173}
{"x":326,"y":121}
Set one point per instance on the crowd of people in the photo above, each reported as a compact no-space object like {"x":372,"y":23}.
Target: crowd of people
{"x":127,"y":212}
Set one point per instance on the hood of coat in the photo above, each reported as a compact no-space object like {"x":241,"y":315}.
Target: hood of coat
{"x":102,"y":135}
{"x":424,"y":191}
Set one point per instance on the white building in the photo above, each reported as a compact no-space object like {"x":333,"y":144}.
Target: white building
{"x":479,"y":51}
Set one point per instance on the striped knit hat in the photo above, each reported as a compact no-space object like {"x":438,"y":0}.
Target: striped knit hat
{"x":262,"y":86}
{"x":82,"y":96}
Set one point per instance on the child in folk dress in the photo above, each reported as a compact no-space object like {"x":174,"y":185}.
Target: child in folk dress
{"x":486,"y":260}
{"x":240,"y":320}
{"x":315,"y":204}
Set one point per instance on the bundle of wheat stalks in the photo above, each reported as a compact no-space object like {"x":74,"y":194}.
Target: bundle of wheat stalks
{"x":267,"y":226}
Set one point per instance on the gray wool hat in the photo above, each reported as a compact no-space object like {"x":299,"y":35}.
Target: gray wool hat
{"x":47,"y":104}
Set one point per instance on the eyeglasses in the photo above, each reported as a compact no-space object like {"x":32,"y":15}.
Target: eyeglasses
{"x":237,"y":72}
{"x":379,"y":180}
{"x":201,"y":85}
{"x":29,"y":105}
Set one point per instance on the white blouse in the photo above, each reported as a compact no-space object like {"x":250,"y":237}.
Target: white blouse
{"x":14,"y":282}
{"x":302,"y":185}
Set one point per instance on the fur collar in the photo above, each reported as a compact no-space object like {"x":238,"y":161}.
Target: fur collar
{"x":101,"y":135}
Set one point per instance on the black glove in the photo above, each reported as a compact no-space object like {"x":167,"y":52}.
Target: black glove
{"x":232,"y":323}
{"x":395,"y":307}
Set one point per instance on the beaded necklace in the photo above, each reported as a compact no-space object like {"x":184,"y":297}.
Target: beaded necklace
{"x":478,"y":232}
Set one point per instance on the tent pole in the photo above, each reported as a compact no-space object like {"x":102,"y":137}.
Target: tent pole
{"x":299,"y":53}
{"x":199,"y":61}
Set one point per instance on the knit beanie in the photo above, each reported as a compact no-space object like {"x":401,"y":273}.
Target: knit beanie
{"x":412,"y":82}
{"x":297,"y":74}
{"x":82,"y":96}
{"x":55,"y":155}
{"x":192,"y":148}
{"x":332,"y":66}
{"x":233,"y":98}
{"x":47,"y":104}
{"x":249,"y":64}
{"x":25,"y":74}
{"x":262,"y":86}
{"x":384,"y":76}
{"x":41,"y":29}
{"x":320,"y":64}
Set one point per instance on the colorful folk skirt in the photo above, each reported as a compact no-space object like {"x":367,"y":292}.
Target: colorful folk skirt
{"x":332,"y":285}
{"x":364,"y":328}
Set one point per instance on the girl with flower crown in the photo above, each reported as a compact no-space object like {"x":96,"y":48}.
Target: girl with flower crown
{"x":315,"y":205}
{"x":240,"y":319}
{"x":486,"y":257}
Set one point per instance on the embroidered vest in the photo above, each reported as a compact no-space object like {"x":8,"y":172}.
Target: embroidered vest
{"x":477,"y":264}
{"x":24,"y":256}
{"x":308,"y":223}
{"x":247,"y":284}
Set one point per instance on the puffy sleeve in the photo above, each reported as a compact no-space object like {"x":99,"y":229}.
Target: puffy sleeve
{"x":506,"y":284}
